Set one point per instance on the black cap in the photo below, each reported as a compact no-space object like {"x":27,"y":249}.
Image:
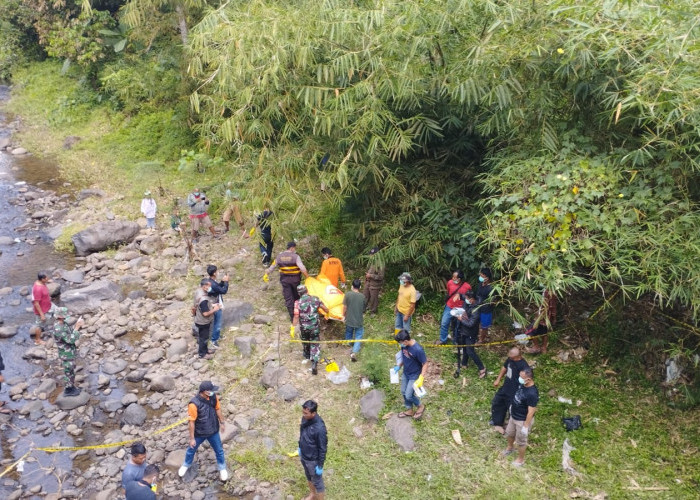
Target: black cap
{"x":208,"y":386}
{"x":291,"y":244}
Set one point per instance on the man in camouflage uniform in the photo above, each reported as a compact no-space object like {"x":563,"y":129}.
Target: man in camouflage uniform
{"x":66,"y":338}
{"x":306,"y":315}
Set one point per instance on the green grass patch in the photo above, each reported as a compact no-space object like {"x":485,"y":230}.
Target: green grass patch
{"x":64,"y":243}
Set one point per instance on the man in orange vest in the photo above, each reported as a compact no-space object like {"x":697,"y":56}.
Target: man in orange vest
{"x":291,"y":268}
{"x":332,"y":268}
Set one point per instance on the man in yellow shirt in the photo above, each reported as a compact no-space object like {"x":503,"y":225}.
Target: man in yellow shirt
{"x":405,"y":303}
{"x":332,"y":268}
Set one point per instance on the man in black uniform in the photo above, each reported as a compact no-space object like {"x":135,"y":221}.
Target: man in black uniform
{"x":522,"y":416}
{"x":513,"y":365}
{"x":291,"y":268}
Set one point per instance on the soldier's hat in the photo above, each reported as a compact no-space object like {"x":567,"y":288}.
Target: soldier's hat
{"x":301,"y":289}
{"x":61,"y":312}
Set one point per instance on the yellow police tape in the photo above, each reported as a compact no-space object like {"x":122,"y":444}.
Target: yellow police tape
{"x":687,"y":326}
{"x":391,"y":342}
{"x":56,"y":449}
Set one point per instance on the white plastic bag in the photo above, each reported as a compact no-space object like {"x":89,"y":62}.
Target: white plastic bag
{"x":393,"y":376}
{"x":339,"y":377}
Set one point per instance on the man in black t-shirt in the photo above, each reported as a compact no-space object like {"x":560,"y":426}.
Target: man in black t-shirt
{"x":522,"y":416}
{"x":513,"y":365}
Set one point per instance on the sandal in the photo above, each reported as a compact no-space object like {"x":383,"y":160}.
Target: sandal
{"x":482,"y":373}
{"x":419,"y":412}
{"x":407,"y":413}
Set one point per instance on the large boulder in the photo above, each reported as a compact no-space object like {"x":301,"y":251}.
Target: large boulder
{"x":151,"y":355}
{"x":288,"y":392}
{"x":402,"y":431}
{"x":87,"y":299}
{"x":235,"y":311}
{"x":177,"y":347}
{"x":113,"y":366}
{"x":151,"y":245}
{"x":244,"y":345}
{"x":273,"y":376}
{"x":162,"y":383}
{"x":135,"y":414}
{"x":71,"y":402}
{"x":371,"y":404}
{"x":74,"y":276}
{"x":9,"y":331}
{"x":104,"y":235}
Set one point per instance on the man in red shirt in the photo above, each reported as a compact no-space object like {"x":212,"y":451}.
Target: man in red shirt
{"x":41,"y":301}
{"x":455,"y":288}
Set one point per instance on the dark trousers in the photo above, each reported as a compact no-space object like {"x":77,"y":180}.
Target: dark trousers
{"x":469,"y":352}
{"x":289,"y":291}
{"x":371,"y":299}
{"x":266,"y":250}
{"x":203,"y":339}
{"x":499,"y":406}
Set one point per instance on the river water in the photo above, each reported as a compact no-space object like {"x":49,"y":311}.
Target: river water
{"x":19,"y":265}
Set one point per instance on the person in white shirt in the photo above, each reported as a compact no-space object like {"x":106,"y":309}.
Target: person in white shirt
{"x":148,"y":209}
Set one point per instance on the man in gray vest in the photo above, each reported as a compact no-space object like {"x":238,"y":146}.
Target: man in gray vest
{"x":291,"y":268}
{"x":203,"y":311}
{"x":205,"y":420}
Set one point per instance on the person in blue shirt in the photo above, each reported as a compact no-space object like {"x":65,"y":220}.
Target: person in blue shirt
{"x":415,"y":367}
{"x":136,"y":465}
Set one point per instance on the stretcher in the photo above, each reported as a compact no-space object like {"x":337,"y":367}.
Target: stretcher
{"x":330,"y":295}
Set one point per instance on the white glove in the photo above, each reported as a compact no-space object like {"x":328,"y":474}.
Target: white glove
{"x":524,"y":431}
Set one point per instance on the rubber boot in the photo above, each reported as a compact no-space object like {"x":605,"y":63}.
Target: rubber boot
{"x":314,"y":368}
{"x":307,"y":351}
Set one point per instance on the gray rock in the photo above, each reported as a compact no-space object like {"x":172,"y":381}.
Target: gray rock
{"x":37,"y":352}
{"x":54,"y":289}
{"x":4,"y":142}
{"x":135,"y":414}
{"x":261,"y":319}
{"x":151,"y":245}
{"x":229,"y":432}
{"x":35,"y":406}
{"x":87,"y":193}
{"x":129,"y":398}
{"x":371,"y":404}
{"x":177,"y":348}
{"x":19,"y":151}
{"x":402,"y":432}
{"x":162,"y":383}
{"x":244,"y":345}
{"x":24,"y":291}
{"x":242,"y":422}
{"x":235,"y":312}
{"x":104,"y":235}
{"x":273,"y":376}
{"x":107,"y":493}
{"x":88,"y":299}
{"x":287,"y":392}
{"x":103,"y":380}
{"x":151,"y":355}
{"x":113,"y":366}
{"x":6,"y":240}
{"x":47,"y":386}
{"x":136,"y":294}
{"x":72,"y":402}
{"x":179,"y":269}
{"x":136,"y":375}
{"x":111,"y":405}
{"x":74,"y":276}
{"x":175,"y":459}
{"x":7,"y":332}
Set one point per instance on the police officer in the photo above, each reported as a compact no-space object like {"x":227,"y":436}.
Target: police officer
{"x":291,"y":269}
{"x":374,"y":280}
{"x":66,"y":339}
{"x":306,"y":315}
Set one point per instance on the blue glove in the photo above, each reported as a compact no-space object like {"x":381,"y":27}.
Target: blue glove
{"x":319,"y":471}
{"x":299,"y":451}
{"x":397,"y":368}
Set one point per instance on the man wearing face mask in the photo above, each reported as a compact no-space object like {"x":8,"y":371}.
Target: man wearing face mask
{"x":405,"y":303}
{"x":456,"y":287}
{"x":512,"y":366}
{"x":205,"y":420}
{"x":332,"y":268}
{"x":522,"y":416}
{"x":203,"y":312}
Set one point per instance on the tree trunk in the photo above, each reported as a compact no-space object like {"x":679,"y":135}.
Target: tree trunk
{"x":182,"y":21}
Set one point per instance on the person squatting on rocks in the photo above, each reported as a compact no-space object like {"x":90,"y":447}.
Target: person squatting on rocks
{"x":205,"y":421}
{"x":145,"y":487}
{"x":43,"y":307}
{"x":415,"y":367}
{"x":265,"y":236}
{"x":503,"y":398}
{"x":467,"y":334}
{"x":291,"y":268}
{"x":203,"y":311}
{"x":216,"y":293}
{"x":332,"y":268}
{"x":148,"y":209}
{"x":307,"y":317}
{"x":66,"y":339}
{"x":405,"y":303}
{"x":136,"y":465}
{"x":199,"y":206}
{"x":374,"y":280}
{"x":484,"y":299}
{"x":353,"y":307}
{"x":233,"y":207}
{"x":522,"y":415}
{"x":313,"y":445}
{"x":456,"y":287}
